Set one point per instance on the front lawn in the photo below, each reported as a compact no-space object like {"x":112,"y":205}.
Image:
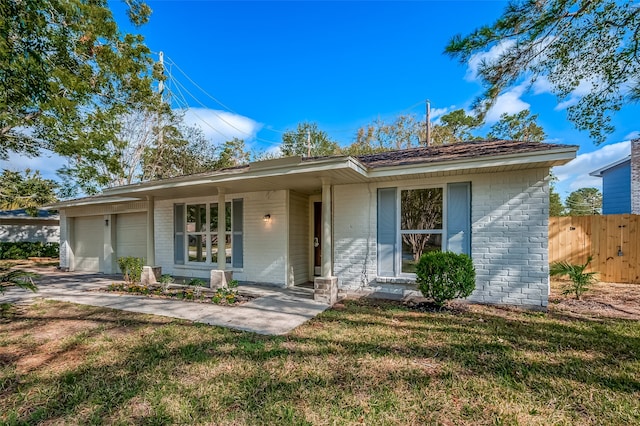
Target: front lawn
{"x":363,"y":362}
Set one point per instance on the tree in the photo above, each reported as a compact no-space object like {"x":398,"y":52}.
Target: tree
{"x":137,"y":153}
{"x":584,"y":201}
{"x":587,"y":52}
{"x":232,"y":154}
{"x":29,"y":191}
{"x":402,"y":133}
{"x":555,"y":203}
{"x":67,"y":74}
{"x":521,"y":126}
{"x":296,"y":142}
{"x":455,"y":126}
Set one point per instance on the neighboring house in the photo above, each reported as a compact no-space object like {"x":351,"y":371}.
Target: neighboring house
{"x":349,"y":223}
{"x":621,"y":183}
{"x":18,"y":226}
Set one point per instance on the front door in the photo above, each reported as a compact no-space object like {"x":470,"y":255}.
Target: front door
{"x":317,"y":238}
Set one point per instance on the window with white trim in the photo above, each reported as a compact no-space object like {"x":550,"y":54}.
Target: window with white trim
{"x":196,"y":233}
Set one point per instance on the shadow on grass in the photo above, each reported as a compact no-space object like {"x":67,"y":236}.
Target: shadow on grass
{"x":360,"y":363}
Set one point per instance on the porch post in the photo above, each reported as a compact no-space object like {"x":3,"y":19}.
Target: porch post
{"x":327,"y":267}
{"x":222,"y":229}
{"x":150,"y":272}
{"x":325,"y":287}
{"x":151,"y":240}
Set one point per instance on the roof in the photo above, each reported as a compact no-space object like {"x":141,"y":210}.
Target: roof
{"x":600,"y":171}
{"x":457,"y":151}
{"x":307,"y":175}
{"x":22,"y":214}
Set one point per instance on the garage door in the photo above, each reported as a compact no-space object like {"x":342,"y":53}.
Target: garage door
{"x":88,"y":243}
{"x":131,"y":235}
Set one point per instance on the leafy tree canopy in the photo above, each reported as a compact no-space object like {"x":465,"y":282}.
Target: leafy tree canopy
{"x":28,"y":191}
{"x":455,"y":126}
{"x":584,"y":201}
{"x":521,"y":126}
{"x":296,"y":142}
{"x":67,"y":73}
{"x":576,"y":46}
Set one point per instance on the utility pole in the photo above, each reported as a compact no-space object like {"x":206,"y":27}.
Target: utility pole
{"x":160,"y":143}
{"x":308,"y":143}
{"x":428,"y":123}
{"x":160,"y":92}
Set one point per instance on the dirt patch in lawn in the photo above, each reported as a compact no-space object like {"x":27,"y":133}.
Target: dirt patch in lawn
{"x":57,"y":336}
{"x":603,"y":300}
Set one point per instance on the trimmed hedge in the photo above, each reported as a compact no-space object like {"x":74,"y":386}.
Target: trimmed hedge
{"x":445,"y":276}
{"x":24,"y":250}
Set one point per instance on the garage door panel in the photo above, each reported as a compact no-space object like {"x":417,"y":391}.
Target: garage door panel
{"x":131,"y":235}
{"x":88,"y":247}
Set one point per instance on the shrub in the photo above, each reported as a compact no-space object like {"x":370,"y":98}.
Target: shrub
{"x":197,"y":282}
{"x":444,"y":276}
{"x":131,"y":268}
{"x":580,"y":280}
{"x":24,"y":250}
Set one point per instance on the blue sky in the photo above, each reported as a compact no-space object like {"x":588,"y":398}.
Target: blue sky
{"x":255,"y":69}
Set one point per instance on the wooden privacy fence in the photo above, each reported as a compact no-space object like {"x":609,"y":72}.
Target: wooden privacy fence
{"x":612,"y":240}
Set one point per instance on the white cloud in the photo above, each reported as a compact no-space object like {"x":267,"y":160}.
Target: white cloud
{"x":221,"y":126}
{"x":509,"y":102}
{"x":478,"y":59}
{"x":541,"y":85}
{"x":633,"y":135}
{"x":585,"y":87}
{"x":575,"y":174}
{"x":47,"y":163}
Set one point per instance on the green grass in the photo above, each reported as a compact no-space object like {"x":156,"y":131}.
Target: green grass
{"x":370,"y":363}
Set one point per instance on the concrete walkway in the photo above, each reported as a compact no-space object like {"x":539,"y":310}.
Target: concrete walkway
{"x":274,"y":311}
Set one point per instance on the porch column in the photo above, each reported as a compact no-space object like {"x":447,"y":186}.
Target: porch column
{"x":327,"y":264}
{"x":326,"y":286}
{"x":110,"y":244}
{"x":222,"y":228}
{"x":151,"y":239}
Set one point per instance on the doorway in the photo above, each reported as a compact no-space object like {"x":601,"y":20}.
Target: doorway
{"x":317,"y":238}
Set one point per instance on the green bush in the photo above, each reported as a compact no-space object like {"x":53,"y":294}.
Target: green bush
{"x":580,"y":280}
{"x":131,"y":268}
{"x":444,"y":276}
{"x":24,"y":250}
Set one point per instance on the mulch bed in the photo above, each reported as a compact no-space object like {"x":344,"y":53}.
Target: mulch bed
{"x":226,"y":297}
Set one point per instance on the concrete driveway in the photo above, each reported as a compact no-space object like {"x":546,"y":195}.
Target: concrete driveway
{"x":274,"y":311}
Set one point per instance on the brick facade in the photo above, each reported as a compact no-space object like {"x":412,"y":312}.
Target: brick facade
{"x":508,"y":242}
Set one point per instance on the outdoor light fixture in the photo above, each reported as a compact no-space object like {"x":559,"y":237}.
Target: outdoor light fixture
{"x":267,"y":218}
{"x":106,"y":222}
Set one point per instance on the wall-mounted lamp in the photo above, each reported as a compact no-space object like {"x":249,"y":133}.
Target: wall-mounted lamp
{"x":267,"y":218}
{"x":106,"y":222}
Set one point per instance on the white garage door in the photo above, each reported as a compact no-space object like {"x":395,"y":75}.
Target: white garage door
{"x":131,"y":235}
{"x":89,"y":243}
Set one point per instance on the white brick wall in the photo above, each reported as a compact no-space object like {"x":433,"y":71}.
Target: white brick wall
{"x":354,"y":232}
{"x":64,"y":242}
{"x":264,"y":243}
{"x":508,"y":240}
{"x":510,"y":213}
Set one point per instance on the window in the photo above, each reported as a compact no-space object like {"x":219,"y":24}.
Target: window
{"x":412,"y":222}
{"x":196,"y":233}
{"x":420,"y":224}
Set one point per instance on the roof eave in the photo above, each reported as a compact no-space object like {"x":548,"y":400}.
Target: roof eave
{"x":600,"y":171}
